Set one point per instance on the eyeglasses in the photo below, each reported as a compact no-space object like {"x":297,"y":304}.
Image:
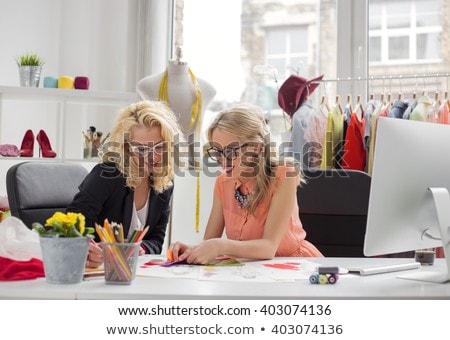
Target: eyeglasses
{"x":141,"y":150}
{"x":230,"y":153}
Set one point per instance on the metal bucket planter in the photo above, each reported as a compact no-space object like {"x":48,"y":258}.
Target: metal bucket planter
{"x":64,"y":258}
{"x":30,"y":76}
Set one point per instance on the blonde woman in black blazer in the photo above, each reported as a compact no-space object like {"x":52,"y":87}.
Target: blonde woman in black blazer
{"x":134,"y":182}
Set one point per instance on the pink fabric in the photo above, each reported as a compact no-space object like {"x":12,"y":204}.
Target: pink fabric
{"x":12,"y":270}
{"x":444,"y":114}
{"x":241,"y":225}
{"x":9,"y":150}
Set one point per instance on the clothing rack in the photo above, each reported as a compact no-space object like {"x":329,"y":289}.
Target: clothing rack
{"x":362,"y":86}
{"x":396,"y":77}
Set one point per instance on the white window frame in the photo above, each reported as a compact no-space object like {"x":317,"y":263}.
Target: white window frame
{"x":288,"y":55}
{"x":411,"y":32}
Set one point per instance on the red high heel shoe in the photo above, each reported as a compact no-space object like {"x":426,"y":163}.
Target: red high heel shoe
{"x":44,"y":145}
{"x":27,"y":147}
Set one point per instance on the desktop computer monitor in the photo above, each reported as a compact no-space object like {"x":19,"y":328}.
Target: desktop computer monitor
{"x":409,"y":203}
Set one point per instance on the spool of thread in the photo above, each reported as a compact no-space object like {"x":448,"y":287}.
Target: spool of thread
{"x":81,"y":83}
{"x":51,"y":82}
{"x":65,"y":82}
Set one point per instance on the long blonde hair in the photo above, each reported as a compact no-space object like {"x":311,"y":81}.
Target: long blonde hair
{"x":247,"y":123}
{"x":116,"y":149}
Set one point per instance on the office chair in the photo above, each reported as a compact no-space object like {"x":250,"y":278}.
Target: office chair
{"x":333,"y":208}
{"x":38,"y":189}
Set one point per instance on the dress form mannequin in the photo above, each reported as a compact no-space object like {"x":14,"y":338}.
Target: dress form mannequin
{"x":181,"y":92}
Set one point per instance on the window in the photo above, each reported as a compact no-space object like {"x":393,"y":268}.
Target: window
{"x":287,"y":50}
{"x":404,"y":31}
{"x":250,"y":47}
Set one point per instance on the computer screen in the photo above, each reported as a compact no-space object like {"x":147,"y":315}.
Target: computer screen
{"x":410,"y":157}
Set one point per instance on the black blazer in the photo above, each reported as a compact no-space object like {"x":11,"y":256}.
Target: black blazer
{"x":104,"y":194}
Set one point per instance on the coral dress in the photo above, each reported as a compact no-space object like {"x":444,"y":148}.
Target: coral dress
{"x":242,"y":225}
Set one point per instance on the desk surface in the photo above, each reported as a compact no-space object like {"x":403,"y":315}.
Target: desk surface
{"x":379,"y":286}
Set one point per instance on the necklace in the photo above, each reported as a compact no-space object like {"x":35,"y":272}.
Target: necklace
{"x":196,"y":109}
{"x":242,"y":200}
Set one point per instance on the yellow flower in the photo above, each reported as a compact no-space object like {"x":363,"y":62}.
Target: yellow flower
{"x":81,"y":223}
{"x":68,"y":225}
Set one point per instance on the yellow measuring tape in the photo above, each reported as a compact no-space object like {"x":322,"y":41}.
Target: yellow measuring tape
{"x":196,"y":115}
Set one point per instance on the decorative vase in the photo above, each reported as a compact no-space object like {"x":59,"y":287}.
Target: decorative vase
{"x":64,"y":258}
{"x":30,"y":76}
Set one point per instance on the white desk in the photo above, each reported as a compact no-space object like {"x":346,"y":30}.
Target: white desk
{"x":380,"y":286}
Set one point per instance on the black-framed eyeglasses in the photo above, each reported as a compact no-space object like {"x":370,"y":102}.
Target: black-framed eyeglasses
{"x":142,"y":150}
{"x":230,"y":153}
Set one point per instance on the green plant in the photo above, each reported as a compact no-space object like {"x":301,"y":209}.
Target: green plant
{"x":64,"y":225}
{"x":29,"y":59}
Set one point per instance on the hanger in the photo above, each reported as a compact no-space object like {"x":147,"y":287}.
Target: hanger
{"x":324,"y":104}
{"x":388,"y":102}
{"x":338,"y":105}
{"x":349,"y":103}
{"x":389,"y":98}
{"x":359,"y":107}
{"x":436,"y":98}
{"x":400,"y":92}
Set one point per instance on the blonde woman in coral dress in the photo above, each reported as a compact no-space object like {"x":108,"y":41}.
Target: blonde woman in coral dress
{"x":255,"y":200}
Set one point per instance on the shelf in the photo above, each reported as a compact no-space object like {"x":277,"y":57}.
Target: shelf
{"x":48,"y":159}
{"x":66,"y":95}
{"x":63,"y":98}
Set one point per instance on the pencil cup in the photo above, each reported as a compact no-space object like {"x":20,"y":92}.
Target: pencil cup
{"x":120,"y":262}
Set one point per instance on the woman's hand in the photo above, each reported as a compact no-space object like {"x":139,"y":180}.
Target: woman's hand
{"x":179,"y":251}
{"x":95,"y":255}
{"x":141,"y":250}
{"x":204,"y":253}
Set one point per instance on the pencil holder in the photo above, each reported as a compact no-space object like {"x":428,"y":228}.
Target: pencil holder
{"x":120,"y":262}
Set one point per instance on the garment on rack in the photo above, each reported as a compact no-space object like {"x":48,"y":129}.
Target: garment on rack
{"x":354,"y":151}
{"x":373,"y":130}
{"x":315,"y":137}
{"x":421,"y":110}
{"x":444,"y":114}
{"x":339,"y":148}
{"x":333,"y":138}
{"x":300,"y":122}
{"x":398,"y":109}
{"x":368,"y":113}
{"x":412,"y":103}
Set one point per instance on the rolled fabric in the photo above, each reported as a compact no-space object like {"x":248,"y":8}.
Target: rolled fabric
{"x":51,"y":82}
{"x":65,"y":82}
{"x":81,"y":83}
{"x":12,"y":270}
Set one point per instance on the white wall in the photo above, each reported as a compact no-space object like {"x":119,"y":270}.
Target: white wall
{"x":114,"y":43}
{"x":75,"y":37}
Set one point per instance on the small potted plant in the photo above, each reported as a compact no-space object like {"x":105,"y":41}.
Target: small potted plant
{"x":64,"y":243}
{"x":30,"y":68}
